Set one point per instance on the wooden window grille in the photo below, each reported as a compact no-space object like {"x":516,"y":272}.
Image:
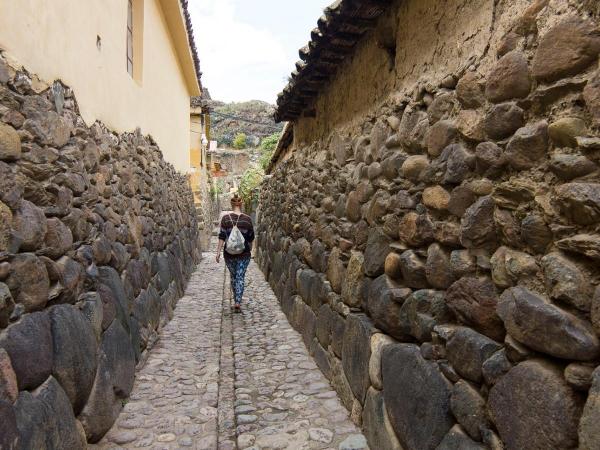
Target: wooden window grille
{"x":130,"y":37}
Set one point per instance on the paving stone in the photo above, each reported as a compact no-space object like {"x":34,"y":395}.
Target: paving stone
{"x":243,"y":419}
{"x":320,"y":435}
{"x":354,"y":442}
{"x":124,"y":437}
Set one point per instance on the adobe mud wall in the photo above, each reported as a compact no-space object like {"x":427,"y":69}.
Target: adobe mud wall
{"x":434,"y":231}
{"x":98,"y":236}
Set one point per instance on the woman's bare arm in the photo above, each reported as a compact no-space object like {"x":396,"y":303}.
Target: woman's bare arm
{"x":220,"y":249}
{"x":222,"y":237}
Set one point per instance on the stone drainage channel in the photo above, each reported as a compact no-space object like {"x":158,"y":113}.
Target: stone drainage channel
{"x":218,"y":380}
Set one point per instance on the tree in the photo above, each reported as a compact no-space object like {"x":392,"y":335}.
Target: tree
{"x":239,"y":141}
{"x":267,"y":147}
{"x":248,"y":188}
{"x":225,"y":140}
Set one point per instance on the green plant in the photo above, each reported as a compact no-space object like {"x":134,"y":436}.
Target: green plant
{"x":264,"y":159}
{"x":239,"y":141}
{"x":267,"y":147}
{"x":270,"y":142}
{"x":248,"y":188}
{"x":217,"y":188}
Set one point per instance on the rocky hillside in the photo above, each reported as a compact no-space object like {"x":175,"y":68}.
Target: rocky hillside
{"x":254,"y":118}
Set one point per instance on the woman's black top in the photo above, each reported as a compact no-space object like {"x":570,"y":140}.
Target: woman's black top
{"x":244,"y":223}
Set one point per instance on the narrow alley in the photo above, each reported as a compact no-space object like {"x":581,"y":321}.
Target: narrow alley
{"x":217,"y":379}
{"x":419,"y":207}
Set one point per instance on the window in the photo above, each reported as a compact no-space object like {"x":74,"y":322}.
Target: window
{"x":135,"y":39}
{"x":130,"y":37}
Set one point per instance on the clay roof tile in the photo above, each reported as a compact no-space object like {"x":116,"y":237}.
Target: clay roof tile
{"x":339,"y":29}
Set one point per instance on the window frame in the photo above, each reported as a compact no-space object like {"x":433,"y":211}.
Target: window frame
{"x":134,"y":40}
{"x":129,"y":42}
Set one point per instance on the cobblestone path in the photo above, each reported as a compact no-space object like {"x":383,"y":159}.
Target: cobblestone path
{"x":217,"y":380}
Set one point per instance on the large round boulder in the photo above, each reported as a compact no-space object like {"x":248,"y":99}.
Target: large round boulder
{"x":29,"y":345}
{"x":543,"y":326}
{"x":534,"y":408}
{"x":417,"y":397}
{"x":74,"y":353}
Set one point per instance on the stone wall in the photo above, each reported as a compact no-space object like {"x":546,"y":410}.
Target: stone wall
{"x":97,"y":240}
{"x":234,"y":162}
{"x":436,"y":241}
{"x":206,"y":210}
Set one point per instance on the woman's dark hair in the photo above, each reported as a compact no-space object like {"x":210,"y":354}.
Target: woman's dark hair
{"x":236,"y":200}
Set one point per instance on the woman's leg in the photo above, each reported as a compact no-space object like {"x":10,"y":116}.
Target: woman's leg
{"x":237,"y":268}
{"x":232,"y":266}
{"x":241,"y":274}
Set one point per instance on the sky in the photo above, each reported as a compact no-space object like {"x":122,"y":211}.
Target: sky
{"x":248,"y":48}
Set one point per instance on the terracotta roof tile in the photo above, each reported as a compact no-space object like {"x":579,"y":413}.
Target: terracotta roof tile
{"x":191,"y":40}
{"x":341,"y":27}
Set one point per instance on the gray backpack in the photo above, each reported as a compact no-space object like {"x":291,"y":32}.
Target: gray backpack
{"x":235,"y":242}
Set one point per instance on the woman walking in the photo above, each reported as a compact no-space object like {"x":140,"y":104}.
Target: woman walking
{"x":236,"y":263}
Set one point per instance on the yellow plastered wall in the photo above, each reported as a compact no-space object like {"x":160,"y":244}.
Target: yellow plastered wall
{"x":57,"y":39}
